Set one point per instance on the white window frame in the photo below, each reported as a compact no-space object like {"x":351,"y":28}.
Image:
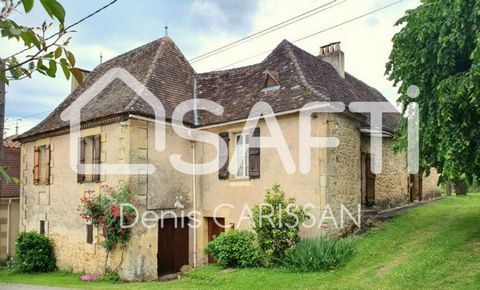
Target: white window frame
{"x":241,"y":152}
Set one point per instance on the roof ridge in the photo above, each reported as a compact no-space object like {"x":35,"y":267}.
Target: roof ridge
{"x":148,"y":75}
{"x":303,"y":79}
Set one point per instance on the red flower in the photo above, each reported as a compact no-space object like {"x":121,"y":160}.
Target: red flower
{"x":115,"y":210}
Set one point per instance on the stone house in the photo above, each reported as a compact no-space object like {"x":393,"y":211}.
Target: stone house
{"x":118,"y":127}
{"x":9,"y":199}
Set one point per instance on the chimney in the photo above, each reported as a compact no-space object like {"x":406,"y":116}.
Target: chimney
{"x":332,"y":54}
{"x":75,"y":84}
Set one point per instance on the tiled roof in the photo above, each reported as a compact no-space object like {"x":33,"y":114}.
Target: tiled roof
{"x":9,"y":143}
{"x":167,"y":74}
{"x":158,"y":65}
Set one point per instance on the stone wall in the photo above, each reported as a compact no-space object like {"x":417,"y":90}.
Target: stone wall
{"x":215,"y":195}
{"x":343,"y":170}
{"x":391,"y":185}
{"x":57,"y":205}
{"x":431,"y":189}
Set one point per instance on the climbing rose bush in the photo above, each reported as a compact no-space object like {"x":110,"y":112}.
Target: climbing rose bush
{"x":103,"y":211}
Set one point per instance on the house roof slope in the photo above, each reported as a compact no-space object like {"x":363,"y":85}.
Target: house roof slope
{"x":159,"y":66}
{"x":163,"y":69}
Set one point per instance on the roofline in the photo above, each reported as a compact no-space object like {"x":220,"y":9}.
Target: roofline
{"x":372,"y":132}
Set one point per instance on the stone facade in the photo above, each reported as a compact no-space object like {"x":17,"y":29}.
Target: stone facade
{"x":343,"y":167}
{"x":335,"y":179}
{"x":391,"y":185}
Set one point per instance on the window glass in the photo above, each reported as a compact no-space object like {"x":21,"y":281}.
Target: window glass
{"x":241,"y":155}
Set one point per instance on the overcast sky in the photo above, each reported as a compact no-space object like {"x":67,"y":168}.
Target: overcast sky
{"x":198,"y":26}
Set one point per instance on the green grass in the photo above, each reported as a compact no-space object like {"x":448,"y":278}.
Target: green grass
{"x":436,"y":246}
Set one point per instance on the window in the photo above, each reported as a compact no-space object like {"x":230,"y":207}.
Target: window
{"x":42,"y":228}
{"x":270,"y":82}
{"x":90,"y":156}
{"x":89,"y":234}
{"x":241,"y":155}
{"x":41,"y":166}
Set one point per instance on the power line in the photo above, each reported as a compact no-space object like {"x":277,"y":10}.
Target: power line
{"x":70,"y":26}
{"x":267,"y":51}
{"x":268,"y":30}
{"x":350,"y":20}
{"x":316,"y":33}
{"x":29,"y":116}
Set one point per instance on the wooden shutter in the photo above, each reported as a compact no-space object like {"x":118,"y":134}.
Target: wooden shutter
{"x":254,"y":155}
{"x":36,"y":165}
{"x":48,"y":157}
{"x":223,"y":171}
{"x":81,"y":177}
{"x":96,"y":156}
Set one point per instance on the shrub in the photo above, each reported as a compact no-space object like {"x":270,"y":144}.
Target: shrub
{"x":34,"y":253}
{"x":277,"y":223}
{"x":319,"y":254}
{"x":234,"y":249}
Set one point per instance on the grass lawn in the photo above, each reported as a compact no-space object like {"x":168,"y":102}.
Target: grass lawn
{"x":436,"y":246}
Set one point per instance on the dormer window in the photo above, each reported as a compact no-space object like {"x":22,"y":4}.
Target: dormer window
{"x":270,"y":83}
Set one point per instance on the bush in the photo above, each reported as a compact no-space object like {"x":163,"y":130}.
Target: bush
{"x":277,"y":223}
{"x":34,"y":253}
{"x":235,"y":249}
{"x":319,"y":254}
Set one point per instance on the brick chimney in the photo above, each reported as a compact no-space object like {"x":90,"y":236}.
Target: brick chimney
{"x":332,"y":54}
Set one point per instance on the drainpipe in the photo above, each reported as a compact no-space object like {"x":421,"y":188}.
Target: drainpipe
{"x":194,"y":177}
{"x":8,"y":226}
{"x":194,"y":192}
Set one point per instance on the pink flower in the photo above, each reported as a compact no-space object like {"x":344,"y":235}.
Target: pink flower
{"x":115,"y":210}
{"x":87,"y":278}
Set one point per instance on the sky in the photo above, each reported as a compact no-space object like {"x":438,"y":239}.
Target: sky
{"x":199,"y":26}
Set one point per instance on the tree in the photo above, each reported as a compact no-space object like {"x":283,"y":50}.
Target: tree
{"x":438,"y":50}
{"x":41,"y":53}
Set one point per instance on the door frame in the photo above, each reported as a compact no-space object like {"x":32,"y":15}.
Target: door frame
{"x":173,"y":245}
{"x":213,"y":230}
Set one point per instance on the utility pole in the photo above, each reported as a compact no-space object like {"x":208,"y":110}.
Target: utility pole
{"x":2,"y":111}
{"x":16,"y":126}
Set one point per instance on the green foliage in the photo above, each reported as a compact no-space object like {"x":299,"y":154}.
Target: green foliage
{"x":438,"y":50}
{"x":47,"y":53}
{"x":111,"y":277}
{"x":277,"y":223}
{"x":235,"y":249}
{"x":103,"y":211}
{"x":34,"y":253}
{"x":319,"y":254}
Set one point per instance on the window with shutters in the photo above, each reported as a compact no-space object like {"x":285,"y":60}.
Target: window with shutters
{"x":41,"y":167}
{"x":90,"y":152}
{"x":241,"y":155}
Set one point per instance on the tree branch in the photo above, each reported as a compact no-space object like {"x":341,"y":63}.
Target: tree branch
{"x":36,"y":55}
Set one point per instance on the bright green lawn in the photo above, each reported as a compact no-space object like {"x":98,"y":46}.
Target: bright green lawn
{"x":436,"y":246}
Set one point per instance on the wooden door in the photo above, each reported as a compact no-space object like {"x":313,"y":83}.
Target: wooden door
{"x":214,"y":229}
{"x":370,"y":181}
{"x":416,"y":187}
{"x":172,"y":245}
